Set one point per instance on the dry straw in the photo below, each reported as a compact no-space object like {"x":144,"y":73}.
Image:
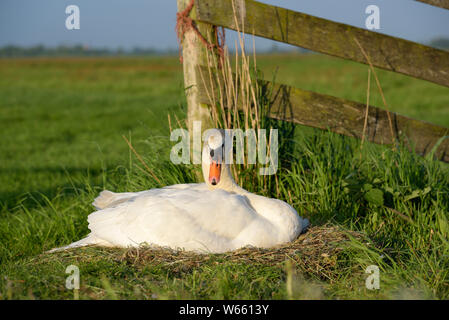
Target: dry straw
{"x":233,"y":92}
{"x":315,"y":252}
{"x":379,"y":87}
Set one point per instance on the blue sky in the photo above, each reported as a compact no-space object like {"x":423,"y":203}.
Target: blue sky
{"x":151,"y":23}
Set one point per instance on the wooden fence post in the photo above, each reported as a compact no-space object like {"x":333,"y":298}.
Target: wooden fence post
{"x":194,"y":53}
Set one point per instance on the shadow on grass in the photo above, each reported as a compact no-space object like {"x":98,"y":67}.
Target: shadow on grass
{"x":72,"y":180}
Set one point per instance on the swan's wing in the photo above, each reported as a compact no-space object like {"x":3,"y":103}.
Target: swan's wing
{"x":191,"y":186}
{"x":108,"y":198}
{"x":190,"y":218}
{"x":288,"y":224}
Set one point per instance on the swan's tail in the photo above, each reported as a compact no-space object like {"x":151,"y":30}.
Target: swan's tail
{"x":87,"y":241}
{"x":108,"y":198}
{"x":105,"y":198}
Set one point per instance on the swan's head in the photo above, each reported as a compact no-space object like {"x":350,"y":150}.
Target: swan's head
{"x":216,"y":172}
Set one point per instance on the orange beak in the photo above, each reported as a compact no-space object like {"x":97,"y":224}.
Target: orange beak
{"x":214,"y":173}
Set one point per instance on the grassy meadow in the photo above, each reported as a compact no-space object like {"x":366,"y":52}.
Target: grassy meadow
{"x":62,"y":122}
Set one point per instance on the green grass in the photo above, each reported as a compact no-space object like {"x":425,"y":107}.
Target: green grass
{"x":65,"y":117}
{"x":62,"y":122}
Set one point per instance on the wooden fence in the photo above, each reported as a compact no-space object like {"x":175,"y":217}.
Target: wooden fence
{"x":328,"y":37}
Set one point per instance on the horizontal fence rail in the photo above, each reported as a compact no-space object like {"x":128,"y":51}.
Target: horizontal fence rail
{"x":341,"y":116}
{"x":327,"y":37}
{"x":437,"y":3}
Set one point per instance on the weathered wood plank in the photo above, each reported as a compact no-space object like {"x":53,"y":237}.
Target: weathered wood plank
{"x":327,"y":37}
{"x":437,"y":3}
{"x":345,"y":117}
{"x":194,"y":53}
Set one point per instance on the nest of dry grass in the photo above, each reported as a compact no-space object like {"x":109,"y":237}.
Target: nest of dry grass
{"x":315,"y":252}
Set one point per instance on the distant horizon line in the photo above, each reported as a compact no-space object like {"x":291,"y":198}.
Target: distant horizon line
{"x":79,"y":50}
{"x":12,"y":50}
{"x":137,"y":47}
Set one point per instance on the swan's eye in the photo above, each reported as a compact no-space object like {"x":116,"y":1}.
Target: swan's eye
{"x":212,"y":153}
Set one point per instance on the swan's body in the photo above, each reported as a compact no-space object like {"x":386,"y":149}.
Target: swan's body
{"x":195,"y":217}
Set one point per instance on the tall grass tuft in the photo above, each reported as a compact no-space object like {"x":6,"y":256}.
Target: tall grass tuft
{"x":399,"y":199}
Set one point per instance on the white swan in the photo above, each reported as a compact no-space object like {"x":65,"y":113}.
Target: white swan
{"x":215,"y":216}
